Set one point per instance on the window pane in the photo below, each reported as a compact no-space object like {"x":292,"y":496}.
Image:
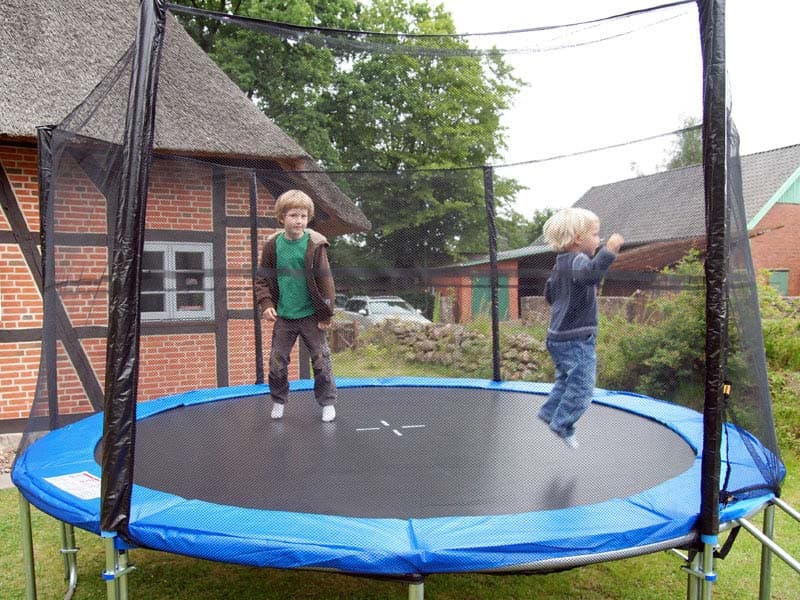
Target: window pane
{"x":151,"y":303}
{"x":191,"y":301}
{"x":189,"y":280}
{"x":152,"y":281}
{"x":189,"y":274}
{"x":189,"y":261}
{"x":152,"y":260}
{"x":177,"y":281}
{"x":152,"y":271}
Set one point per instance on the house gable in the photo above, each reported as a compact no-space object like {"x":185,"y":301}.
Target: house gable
{"x":788,"y":193}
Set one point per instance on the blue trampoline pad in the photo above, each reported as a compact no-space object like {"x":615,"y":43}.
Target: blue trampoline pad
{"x":415,"y":476}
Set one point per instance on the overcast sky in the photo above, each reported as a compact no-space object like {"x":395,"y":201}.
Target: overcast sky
{"x":638,"y":85}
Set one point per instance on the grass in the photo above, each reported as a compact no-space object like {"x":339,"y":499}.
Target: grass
{"x":161,"y":576}
{"x":371,"y":361}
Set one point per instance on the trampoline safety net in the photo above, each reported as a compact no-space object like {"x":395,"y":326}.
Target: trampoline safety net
{"x":396,"y":126}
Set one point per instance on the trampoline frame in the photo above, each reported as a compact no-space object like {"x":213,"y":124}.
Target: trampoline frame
{"x":513,"y":547}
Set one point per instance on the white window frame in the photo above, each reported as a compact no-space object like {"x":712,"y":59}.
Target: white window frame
{"x":170,"y":291}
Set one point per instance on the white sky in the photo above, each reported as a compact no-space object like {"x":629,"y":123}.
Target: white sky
{"x":636,"y":86}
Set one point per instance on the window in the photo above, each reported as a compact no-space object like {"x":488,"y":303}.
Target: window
{"x":355,"y":305}
{"x":176,"y":281}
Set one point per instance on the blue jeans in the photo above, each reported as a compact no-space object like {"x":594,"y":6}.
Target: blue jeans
{"x":576,"y":366}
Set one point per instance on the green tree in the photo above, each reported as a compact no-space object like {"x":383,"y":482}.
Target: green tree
{"x":516,"y":231}
{"x":285,"y":79}
{"x":687,"y":150}
{"x":412,"y":111}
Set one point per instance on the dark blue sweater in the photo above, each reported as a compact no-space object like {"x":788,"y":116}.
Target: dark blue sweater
{"x":572,"y":292}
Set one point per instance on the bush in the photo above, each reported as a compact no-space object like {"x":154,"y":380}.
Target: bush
{"x":785,"y":390}
{"x":665,"y":355}
{"x":782,"y":343}
{"x":781,"y":327}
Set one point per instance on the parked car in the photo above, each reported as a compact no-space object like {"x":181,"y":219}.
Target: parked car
{"x":371,"y":310}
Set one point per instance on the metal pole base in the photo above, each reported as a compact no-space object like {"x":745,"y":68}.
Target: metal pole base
{"x":416,"y":591}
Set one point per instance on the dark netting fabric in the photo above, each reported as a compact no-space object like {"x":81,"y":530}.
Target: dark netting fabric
{"x":749,"y":405}
{"x":420,"y":214}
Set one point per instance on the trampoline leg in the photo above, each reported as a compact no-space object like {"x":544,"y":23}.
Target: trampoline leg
{"x":69,"y":553}
{"x":709,"y":576}
{"x":110,"y":573}
{"x":693,"y":576}
{"x":26,"y":535}
{"x":123,"y":575}
{"x":765,"y":581}
{"x":116,"y":571}
{"x":416,"y":590}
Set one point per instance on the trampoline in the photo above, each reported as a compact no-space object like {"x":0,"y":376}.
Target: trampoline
{"x":415,"y":476}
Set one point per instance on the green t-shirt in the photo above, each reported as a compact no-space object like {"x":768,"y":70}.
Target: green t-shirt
{"x":294,"y":301}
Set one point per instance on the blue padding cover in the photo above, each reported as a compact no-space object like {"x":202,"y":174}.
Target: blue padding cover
{"x":390,"y":547}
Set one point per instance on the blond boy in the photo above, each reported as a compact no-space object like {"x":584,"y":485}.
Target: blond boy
{"x":571,"y":290}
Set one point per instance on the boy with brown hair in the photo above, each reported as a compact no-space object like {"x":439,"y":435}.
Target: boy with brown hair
{"x":295,"y":290}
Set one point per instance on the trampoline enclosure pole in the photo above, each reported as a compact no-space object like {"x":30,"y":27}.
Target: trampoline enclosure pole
{"x":110,"y":573}
{"x":712,"y":28}
{"x":488,"y":193}
{"x":709,"y":576}
{"x":122,"y":352}
{"x":49,"y":295}
{"x":257,"y":334}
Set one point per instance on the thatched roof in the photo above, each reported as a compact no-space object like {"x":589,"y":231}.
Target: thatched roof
{"x":56,"y":53}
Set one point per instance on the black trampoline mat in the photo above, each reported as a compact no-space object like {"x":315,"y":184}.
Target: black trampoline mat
{"x":402,"y":452}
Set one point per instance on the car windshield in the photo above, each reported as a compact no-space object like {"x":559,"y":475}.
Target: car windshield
{"x":385,"y":307}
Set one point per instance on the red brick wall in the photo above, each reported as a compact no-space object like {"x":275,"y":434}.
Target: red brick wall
{"x":237,"y":196}
{"x":81,"y":208}
{"x":176,"y":363}
{"x":20,"y":302}
{"x":180,"y":199}
{"x":20,"y":166}
{"x":84,"y":295}
{"x":20,"y":363}
{"x":71,"y":396}
{"x":777,"y":245}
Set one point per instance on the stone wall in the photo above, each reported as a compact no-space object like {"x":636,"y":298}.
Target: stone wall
{"x":467,"y":351}
{"x":536,"y":311}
